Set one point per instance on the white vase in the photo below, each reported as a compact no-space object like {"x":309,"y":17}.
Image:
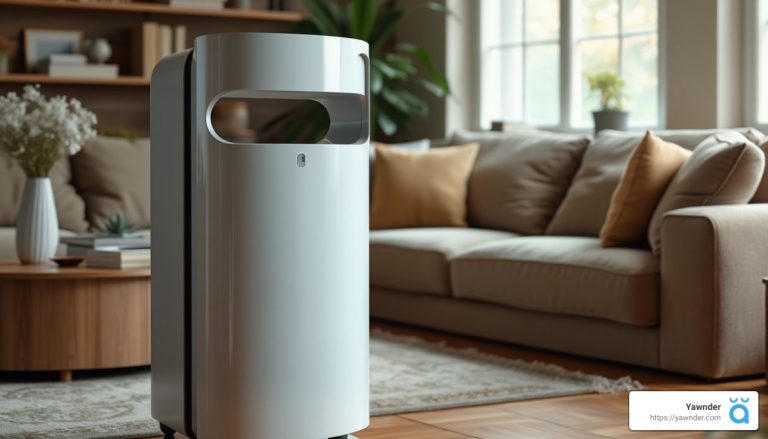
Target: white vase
{"x":37,"y":226}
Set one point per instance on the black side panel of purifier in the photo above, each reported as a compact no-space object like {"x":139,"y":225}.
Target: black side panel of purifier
{"x":170,"y":235}
{"x":188,"y":145}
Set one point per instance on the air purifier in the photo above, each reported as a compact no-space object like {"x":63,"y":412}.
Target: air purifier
{"x":260,"y":250}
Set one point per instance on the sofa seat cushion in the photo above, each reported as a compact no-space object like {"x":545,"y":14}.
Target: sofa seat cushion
{"x":416,"y":259}
{"x":562,"y":275}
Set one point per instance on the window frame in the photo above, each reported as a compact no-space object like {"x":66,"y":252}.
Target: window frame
{"x":569,"y":79}
{"x":755,"y":15}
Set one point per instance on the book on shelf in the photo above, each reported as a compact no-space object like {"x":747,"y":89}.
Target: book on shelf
{"x":132,"y":258}
{"x":151,"y":42}
{"x":96,"y":71}
{"x":144,"y":48}
{"x":179,"y":38}
{"x":197,"y":4}
{"x":164,"y":41}
{"x":66,"y":58}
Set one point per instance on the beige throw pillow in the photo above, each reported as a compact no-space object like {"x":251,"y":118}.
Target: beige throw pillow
{"x":520,"y":178}
{"x":651,"y":168}
{"x":70,"y":207}
{"x":112,"y":175}
{"x":421,"y":188}
{"x":723,"y":169}
{"x":761,"y":195}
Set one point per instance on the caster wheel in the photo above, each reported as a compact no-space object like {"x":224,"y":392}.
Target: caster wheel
{"x":168,"y":432}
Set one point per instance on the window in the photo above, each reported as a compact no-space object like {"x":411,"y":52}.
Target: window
{"x":762,"y":63}
{"x":536,"y":55}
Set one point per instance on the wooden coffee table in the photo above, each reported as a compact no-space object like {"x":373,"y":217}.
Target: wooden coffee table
{"x":66,"y":319}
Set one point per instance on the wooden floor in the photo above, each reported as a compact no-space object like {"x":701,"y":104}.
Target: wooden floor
{"x":584,"y":416}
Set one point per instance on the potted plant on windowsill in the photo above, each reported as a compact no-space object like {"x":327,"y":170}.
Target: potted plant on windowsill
{"x":610,"y":87}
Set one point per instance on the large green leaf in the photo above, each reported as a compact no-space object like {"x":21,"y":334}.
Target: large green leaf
{"x":384,"y":27}
{"x":362,"y":17}
{"x":422,"y":55}
{"x":399,"y":63}
{"x":322,"y":17}
{"x":386,"y":69}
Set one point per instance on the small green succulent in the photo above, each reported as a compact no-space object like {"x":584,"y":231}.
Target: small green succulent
{"x":118,"y":225}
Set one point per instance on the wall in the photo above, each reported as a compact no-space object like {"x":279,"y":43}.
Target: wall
{"x":426,"y":29}
{"x":703,"y":63}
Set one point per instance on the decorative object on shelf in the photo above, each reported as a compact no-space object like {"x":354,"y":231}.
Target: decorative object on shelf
{"x":278,"y":5}
{"x":610,"y":86}
{"x":98,"y":50}
{"x":7,"y":48}
{"x":118,"y":225}
{"x":39,"y":44}
{"x":36,"y":131}
{"x":393,"y":66}
{"x":240,"y":4}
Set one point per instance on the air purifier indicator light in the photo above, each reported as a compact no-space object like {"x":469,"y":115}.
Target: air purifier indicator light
{"x":301,"y":160}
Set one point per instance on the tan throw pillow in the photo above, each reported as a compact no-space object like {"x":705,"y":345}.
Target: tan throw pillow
{"x":70,"y":207}
{"x":651,"y":168}
{"x":112,"y":175}
{"x":520,"y":178}
{"x":723,"y":169}
{"x":421,"y":188}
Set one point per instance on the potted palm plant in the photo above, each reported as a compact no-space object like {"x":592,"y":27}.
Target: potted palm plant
{"x":610,"y":88}
{"x":394,"y":66}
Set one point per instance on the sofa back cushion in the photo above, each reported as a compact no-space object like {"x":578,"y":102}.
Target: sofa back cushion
{"x":112,"y":175}
{"x":70,"y":207}
{"x":585,"y":206}
{"x":519,"y":179}
{"x":761,"y":195}
{"x":724,"y":169}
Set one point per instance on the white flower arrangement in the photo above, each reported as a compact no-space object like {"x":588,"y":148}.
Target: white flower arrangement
{"x":37,"y":131}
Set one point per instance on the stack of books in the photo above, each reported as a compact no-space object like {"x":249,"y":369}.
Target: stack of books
{"x":152,"y":42}
{"x":76,"y":66}
{"x":117,"y":259}
{"x":80,"y":245}
{"x":200,"y":4}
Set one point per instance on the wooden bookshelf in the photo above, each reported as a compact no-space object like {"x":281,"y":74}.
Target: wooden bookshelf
{"x":155,"y":8}
{"x":121,"y":103}
{"x":34,"y":78}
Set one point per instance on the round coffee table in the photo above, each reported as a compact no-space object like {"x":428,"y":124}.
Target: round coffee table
{"x":66,"y":319}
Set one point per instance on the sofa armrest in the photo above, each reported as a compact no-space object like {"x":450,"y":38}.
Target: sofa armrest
{"x":713,"y":259}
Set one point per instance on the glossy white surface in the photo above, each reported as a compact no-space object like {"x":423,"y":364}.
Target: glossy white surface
{"x":280,"y":252}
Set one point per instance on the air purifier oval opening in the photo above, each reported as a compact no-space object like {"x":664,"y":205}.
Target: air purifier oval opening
{"x":260,"y":120}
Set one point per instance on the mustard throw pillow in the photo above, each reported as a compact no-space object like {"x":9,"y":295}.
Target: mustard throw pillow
{"x":421,"y":188}
{"x":652,"y":166}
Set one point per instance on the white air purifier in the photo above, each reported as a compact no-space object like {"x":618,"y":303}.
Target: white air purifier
{"x":260,"y":251}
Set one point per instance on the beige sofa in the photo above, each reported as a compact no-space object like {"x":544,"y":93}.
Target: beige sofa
{"x":530,"y":270}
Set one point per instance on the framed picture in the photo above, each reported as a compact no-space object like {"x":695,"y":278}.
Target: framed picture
{"x":39,"y":44}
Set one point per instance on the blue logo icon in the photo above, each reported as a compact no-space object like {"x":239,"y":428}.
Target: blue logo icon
{"x":739,"y":412}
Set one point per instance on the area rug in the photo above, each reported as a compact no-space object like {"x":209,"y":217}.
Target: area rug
{"x":407,"y":374}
